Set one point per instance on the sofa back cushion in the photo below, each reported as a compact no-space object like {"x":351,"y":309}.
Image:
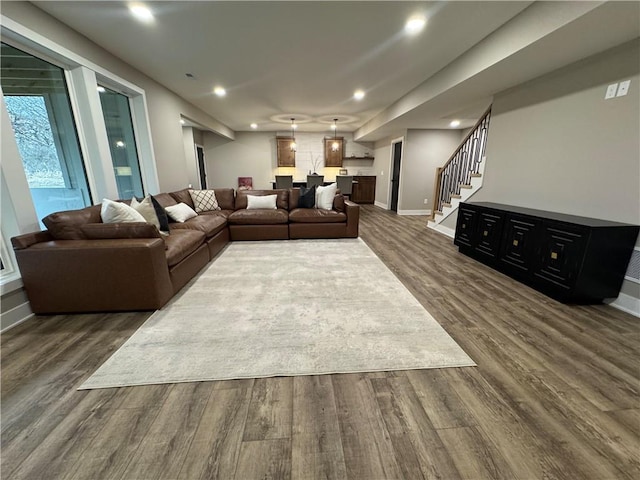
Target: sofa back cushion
{"x":226,"y":198}
{"x":183,"y":196}
{"x":165,"y":200}
{"x":101,"y":231}
{"x":282,"y":199}
{"x":66,"y":225}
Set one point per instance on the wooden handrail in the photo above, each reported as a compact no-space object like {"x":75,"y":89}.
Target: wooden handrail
{"x":478,"y":123}
{"x":461,"y":166}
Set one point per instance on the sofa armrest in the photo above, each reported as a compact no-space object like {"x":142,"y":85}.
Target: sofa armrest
{"x":95,"y":275}
{"x":28,"y":239}
{"x":353,"y":218}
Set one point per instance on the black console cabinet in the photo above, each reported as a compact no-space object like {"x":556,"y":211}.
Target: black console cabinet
{"x":570,"y":258}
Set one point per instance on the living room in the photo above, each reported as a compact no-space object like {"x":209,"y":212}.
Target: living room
{"x":556,"y":143}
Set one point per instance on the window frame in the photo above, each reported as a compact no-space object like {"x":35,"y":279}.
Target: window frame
{"x":82,"y":77}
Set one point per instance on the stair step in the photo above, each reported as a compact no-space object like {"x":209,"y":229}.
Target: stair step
{"x":476,"y":175}
{"x":438,"y":212}
{"x":466,"y":186}
{"x":446,"y":204}
{"x":456,"y":196}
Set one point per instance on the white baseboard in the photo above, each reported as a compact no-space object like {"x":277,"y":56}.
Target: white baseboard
{"x":15,"y":316}
{"x":414,"y":212}
{"x":449,"y":232}
{"x":381,"y":205}
{"x":627,"y":304}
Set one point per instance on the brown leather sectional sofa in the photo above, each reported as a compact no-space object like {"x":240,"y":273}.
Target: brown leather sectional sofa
{"x":80,"y":264}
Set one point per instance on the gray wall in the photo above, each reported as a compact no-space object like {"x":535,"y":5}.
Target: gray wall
{"x":424,"y":151}
{"x":556,"y":144}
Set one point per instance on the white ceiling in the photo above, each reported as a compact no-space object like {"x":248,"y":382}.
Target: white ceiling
{"x":305,"y":59}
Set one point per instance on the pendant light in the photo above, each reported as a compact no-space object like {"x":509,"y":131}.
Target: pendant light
{"x":293,"y":145}
{"x":335,"y":146}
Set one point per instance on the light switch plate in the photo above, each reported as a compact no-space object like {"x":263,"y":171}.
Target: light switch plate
{"x":611,"y":91}
{"x":623,"y":88}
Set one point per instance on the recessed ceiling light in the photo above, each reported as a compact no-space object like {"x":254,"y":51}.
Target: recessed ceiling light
{"x":219,"y":91}
{"x":358,"y":94}
{"x":454,"y":123}
{"x":141,"y":12}
{"x":182,"y":122}
{"x":101,"y":89}
{"x":254,"y":125}
{"x":120,"y":144}
{"x":415,"y":25}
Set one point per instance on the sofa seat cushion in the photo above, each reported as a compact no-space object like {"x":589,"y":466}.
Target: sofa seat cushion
{"x":316,"y":215}
{"x":181,"y":243}
{"x":208,"y":224}
{"x":259,"y":217}
{"x":217,"y":213}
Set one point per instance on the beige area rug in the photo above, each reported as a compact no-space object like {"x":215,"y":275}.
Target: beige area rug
{"x":270,"y":308}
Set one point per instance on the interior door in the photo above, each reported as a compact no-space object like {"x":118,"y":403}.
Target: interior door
{"x":395,"y":175}
{"x":201,"y":167}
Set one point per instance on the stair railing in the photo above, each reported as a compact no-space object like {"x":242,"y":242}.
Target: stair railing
{"x":463,"y":165}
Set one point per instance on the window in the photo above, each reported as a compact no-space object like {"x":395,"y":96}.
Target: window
{"x":122,"y":143}
{"x":39,"y":109}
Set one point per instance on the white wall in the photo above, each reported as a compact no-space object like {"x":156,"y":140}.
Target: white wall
{"x":253,"y":154}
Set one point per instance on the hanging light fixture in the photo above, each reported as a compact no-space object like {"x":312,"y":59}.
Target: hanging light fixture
{"x":293,"y":145}
{"x":335,"y":146}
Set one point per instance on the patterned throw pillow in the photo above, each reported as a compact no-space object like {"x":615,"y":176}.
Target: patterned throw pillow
{"x":204,"y":200}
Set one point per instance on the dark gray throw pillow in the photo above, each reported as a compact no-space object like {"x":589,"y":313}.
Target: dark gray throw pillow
{"x":162,"y":215}
{"x":307,"y":197}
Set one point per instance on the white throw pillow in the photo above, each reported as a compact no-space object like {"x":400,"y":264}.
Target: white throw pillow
{"x":118,"y":212}
{"x":145,"y":208}
{"x":324,"y":196}
{"x":265,"y":201}
{"x":204,"y":200}
{"x":180,"y":212}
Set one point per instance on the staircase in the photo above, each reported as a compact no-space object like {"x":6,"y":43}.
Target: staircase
{"x":461,"y":176}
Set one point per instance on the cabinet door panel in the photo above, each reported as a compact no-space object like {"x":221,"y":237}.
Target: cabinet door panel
{"x":465,"y":227}
{"x":519,"y":243}
{"x":364,"y":190}
{"x":560,"y":256}
{"x":286,"y":158}
{"x":489,"y":234}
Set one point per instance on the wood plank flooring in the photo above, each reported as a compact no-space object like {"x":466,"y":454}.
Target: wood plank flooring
{"x":554,"y":395}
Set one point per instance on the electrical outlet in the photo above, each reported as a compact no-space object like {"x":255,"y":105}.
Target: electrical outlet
{"x":611,"y":91}
{"x":382,"y":173}
{"x":426,"y":202}
{"x":623,"y":88}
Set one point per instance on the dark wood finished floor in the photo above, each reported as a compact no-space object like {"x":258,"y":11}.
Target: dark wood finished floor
{"x":554,"y":396}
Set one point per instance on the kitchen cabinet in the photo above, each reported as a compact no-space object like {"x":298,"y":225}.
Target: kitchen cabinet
{"x":331,"y":158}
{"x":286,"y":158}
{"x":364,"y":190}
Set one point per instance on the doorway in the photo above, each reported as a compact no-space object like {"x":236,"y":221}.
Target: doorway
{"x":202,"y":169}
{"x":396,"y":147}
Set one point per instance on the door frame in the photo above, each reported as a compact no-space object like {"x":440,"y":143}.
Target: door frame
{"x":390,"y":189}
{"x":204,"y":164}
